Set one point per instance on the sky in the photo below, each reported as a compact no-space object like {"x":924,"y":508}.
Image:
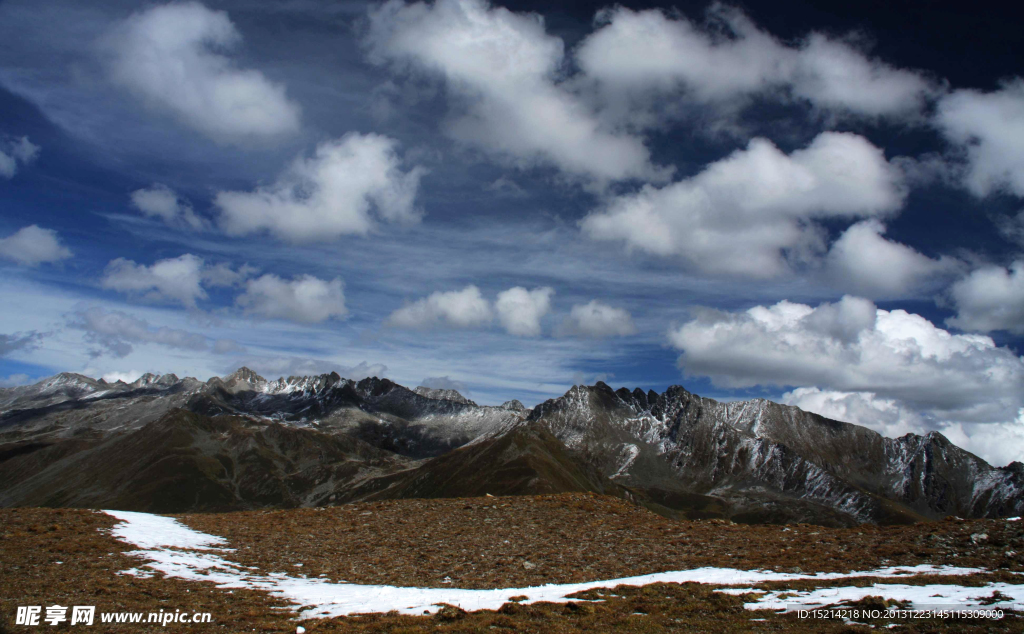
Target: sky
{"x":821,"y":205}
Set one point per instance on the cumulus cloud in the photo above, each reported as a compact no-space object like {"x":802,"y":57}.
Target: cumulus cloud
{"x":465,"y":308}
{"x":884,"y":415}
{"x":862,"y":261}
{"x":502,"y":68}
{"x":174,"y":57}
{"x":33,"y":245}
{"x":304,"y":299}
{"x":753,"y":212}
{"x":221,"y":274}
{"x":989,"y":127}
{"x":15,"y":380}
{"x":833,"y":75}
{"x":180,"y":280}
{"x":520,"y":310}
{"x":597,"y":319}
{"x":990,"y":298}
{"x":174,"y":279}
{"x":129,"y":376}
{"x":160,"y":201}
{"x":328,"y":195}
{"x":116,"y":333}
{"x":14,"y":153}
{"x":640,"y":58}
{"x":896,"y":355}
{"x":19,"y":341}
{"x":997,"y":443}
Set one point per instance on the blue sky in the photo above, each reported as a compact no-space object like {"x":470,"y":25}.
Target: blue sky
{"x":816,"y":205}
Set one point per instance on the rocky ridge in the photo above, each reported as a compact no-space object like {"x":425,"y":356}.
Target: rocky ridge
{"x":326,"y":439}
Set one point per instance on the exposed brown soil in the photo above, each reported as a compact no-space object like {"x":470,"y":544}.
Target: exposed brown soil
{"x":516,"y":541}
{"x":33,"y":541}
{"x":564,"y":538}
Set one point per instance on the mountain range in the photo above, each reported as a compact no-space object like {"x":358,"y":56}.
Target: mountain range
{"x":164,"y":444}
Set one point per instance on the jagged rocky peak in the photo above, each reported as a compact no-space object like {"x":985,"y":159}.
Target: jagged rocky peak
{"x":244,"y":374}
{"x":241,"y":380}
{"x":160,"y":380}
{"x":514,"y":405}
{"x":304,"y":383}
{"x":146,"y":379}
{"x":580,"y":400}
{"x":443,"y":395}
{"x":66,"y":379}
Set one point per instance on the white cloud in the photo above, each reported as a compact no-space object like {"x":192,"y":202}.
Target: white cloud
{"x":15,"y":380}
{"x":222,"y":274}
{"x":897,"y":355}
{"x":174,"y":279}
{"x":160,"y":201}
{"x":505,"y":187}
{"x":649,"y":58}
{"x":328,"y":195}
{"x":19,"y":341}
{"x":129,"y":376}
{"x":1012,"y":227}
{"x":304,"y":299}
{"x":33,"y":245}
{"x":12,"y":153}
{"x":597,"y":319}
{"x":884,"y":415}
{"x":862,"y":261}
{"x":179,"y":280}
{"x":458,"y":309}
{"x":833,"y":75}
{"x":173,"y":56}
{"x":520,"y":310}
{"x":117,"y":332}
{"x":445,"y":383}
{"x":990,"y":298}
{"x":752,"y":212}
{"x":996,"y":443}
{"x":990,"y":129}
{"x":502,"y":68}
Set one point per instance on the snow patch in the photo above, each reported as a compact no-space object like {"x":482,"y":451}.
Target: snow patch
{"x":154,"y":532}
{"x":929,"y":595}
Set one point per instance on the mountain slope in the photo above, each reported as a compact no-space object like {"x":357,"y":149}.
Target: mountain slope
{"x":185,"y":461}
{"x":758,"y":454}
{"x":241,"y":441}
{"x":526,"y":460}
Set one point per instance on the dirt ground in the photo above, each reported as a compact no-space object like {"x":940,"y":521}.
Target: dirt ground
{"x":62,"y":556}
{"x":531,"y":540}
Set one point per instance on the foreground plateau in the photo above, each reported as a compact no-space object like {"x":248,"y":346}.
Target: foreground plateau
{"x":555,"y":563}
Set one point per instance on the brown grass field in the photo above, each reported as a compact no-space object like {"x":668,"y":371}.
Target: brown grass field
{"x":64,"y":556}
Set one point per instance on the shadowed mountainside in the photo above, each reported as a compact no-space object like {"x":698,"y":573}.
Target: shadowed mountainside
{"x":237,"y":442}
